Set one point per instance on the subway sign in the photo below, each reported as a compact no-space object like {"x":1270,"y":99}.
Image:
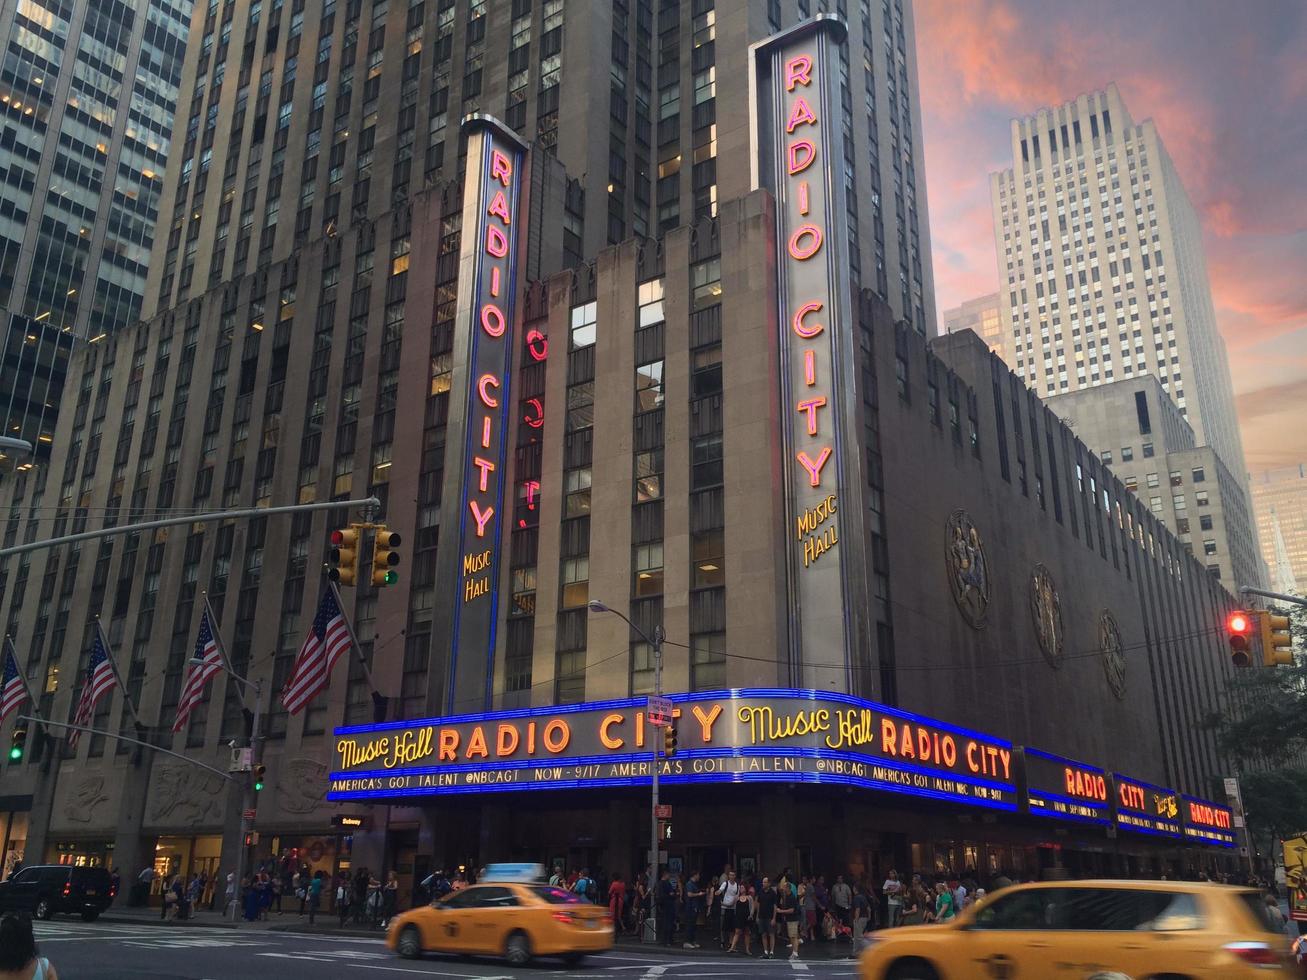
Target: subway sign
{"x":1144,"y":808}
{"x":1205,"y":822}
{"x":1066,"y":789}
{"x":476,"y":463}
{"x":798,"y":157}
{"x":735,"y":736}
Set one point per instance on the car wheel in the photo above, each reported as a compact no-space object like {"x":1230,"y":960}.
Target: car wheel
{"x":43,"y":909}
{"x":410,"y":943}
{"x":913,"y":970}
{"x":90,"y":916}
{"x":573,"y":959}
{"x":517,"y":949}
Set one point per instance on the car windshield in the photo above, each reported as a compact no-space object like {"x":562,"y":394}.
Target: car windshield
{"x":556,"y":896}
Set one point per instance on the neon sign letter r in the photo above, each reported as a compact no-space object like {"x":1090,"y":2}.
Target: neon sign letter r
{"x":798,"y":69}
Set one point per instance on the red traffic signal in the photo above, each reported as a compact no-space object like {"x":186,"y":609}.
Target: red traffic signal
{"x":1238,"y":630}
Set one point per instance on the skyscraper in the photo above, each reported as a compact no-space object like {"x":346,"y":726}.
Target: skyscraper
{"x":288,"y":135}
{"x":1101,"y":265}
{"x":1280,"y":502}
{"x":87,"y":97}
{"x":981,"y":315}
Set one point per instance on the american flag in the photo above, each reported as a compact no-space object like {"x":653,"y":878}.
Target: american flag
{"x":328,"y":638}
{"x":100,"y":677}
{"x":13,"y":689}
{"x":207,"y":650}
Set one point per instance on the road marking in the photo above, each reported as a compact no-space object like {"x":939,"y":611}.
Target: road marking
{"x":299,"y":956}
{"x":656,"y":971}
{"x":798,"y":965}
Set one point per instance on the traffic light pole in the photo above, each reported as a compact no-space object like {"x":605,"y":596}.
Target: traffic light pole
{"x":657,"y":645}
{"x":36,"y":719}
{"x":1296,"y":600}
{"x":249,"y":796}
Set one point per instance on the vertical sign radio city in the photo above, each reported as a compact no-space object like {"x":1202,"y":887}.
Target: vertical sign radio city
{"x":797,"y":133}
{"x":484,"y":351}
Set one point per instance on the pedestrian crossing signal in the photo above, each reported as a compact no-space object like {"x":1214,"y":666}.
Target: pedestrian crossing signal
{"x":669,"y":741}
{"x":17,"y":745}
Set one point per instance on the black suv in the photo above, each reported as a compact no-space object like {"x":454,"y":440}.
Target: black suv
{"x":45,"y":889}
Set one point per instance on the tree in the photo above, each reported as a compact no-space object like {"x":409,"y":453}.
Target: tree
{"x":1262,"y":728}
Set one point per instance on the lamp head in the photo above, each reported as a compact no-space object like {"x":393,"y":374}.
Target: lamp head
{"x":594,"y":605}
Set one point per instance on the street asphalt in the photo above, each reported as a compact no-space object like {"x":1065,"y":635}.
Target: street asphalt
{"x":121,"y":950}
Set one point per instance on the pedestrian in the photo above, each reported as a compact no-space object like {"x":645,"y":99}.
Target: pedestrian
{"x":944,"y":907}
{"x":893,"y":891}
{"x":641,"y":905}
{"x":841,"y":897}
{"x":744,"y":920}
{"x":787,"y":914}
{"x":344,"y":895}
{"x":728,"y":891}
{"x":913,"y":911}
{"x":582,"y":884}
{"x":822,"y":896}
{"x":807,"y":904}
{"x":616,"y":900}
{"x":314,"y":894}
{"x":959,"y":894}
{"x":861,"y":911}
{"x":115,"y":882}
{"x":556,"y":878}
{"x":231,"y":895}
{"x":666,"y":909}
{"x":389,"y":897}
{"x":173,"y":897}
{"x":19,"y":957}
{"x":194,"y":893}
{"x":765,"y":916}
{"x":275,"y":886}
{"x":1273,"y":914}
{"x":693,"y":906}
{"x":714,"y":911}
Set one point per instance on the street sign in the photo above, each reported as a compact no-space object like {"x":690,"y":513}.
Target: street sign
{"x":240,"y":760}
{"x":659,"y":711}
{"x":248,"y":814}
{"x":663,"y":811}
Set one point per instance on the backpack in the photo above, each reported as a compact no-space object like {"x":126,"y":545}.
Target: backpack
{"x":582,"y":886}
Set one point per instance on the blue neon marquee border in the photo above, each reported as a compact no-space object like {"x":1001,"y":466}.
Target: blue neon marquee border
{"x":1116,"y":776}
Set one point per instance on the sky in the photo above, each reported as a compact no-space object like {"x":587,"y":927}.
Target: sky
{"x":1225,"y":83}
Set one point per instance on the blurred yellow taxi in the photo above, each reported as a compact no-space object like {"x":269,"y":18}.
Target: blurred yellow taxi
{"x":517,"y":920}
{"x":1082,"y":930}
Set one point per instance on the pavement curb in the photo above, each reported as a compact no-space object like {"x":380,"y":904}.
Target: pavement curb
{"x":822,"y":955}
{"x":142,"y":920}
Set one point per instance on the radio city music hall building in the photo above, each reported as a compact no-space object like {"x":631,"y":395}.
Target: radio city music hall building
{"x":910,"y":620}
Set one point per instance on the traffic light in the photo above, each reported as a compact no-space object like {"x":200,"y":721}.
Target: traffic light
{"x":1238,"y":632}
{"x":669,"y":741}
{"x":344,"y":556}
{"x":1277,"y":643}
{"x":18,"y":745}
{"x":385,"y":558}
{"x":258,"y":771}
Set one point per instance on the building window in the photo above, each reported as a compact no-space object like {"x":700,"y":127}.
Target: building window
{"x":706,"y":462}
{"x":642,"y":668}
{"x":1214,"y":571}
{"x":1127,"y":453}
{"x":650,"y":297}
{"x":576,"y":582}
{"x":1177,"y":499}
{"x":1155,"y":504}
{"x":1148,"y":450}
{"x":585,"y":320}
{"x":706,"y":378}
{"x":648,"y":476}
{"x":706,"y":278}
{"x":649,"y":386}
{"x":647,"y":567}
{"x":1199,"y":475}
{"x":707,"y":661}
{"x":1200,"y":498}
{"x":569,"y":677}
{"x":1153,"y":481}
{"x":932,"y":401}
{"x":576,"y":483}
{"x":1177,"y":478}
{"x":1132,"y":483}
{"x":1182,"y":525}
{"x":1205,"y":521}
{"x":1106,"y":458}
{"x":901,"y":376}
{"x":708,"y":552}
{"x":580,"y":406}
{"x":524,"y":592}
{"x":1209,"y":546}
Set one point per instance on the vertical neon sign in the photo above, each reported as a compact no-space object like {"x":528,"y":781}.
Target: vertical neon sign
{"x":797,"y":133}
{"x":492,"y":191}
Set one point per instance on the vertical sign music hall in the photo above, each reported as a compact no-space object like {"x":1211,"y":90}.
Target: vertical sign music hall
{"x":476,"y":453}
{"x":797,"y":133}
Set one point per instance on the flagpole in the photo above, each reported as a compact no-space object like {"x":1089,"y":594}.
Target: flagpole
{"x":354,"y":640}
{"x":127,"y":695}
{"x":22,"y":676}
{"x":222,"y":649}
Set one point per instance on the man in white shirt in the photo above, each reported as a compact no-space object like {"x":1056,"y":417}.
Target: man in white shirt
{"x":893,"y":889}
{"x":729,"y":890}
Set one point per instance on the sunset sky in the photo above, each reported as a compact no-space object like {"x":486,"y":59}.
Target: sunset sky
{"x":1226,"y":84}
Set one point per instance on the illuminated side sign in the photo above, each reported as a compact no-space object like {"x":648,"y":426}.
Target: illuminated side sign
{"x":1206,"y":822}
{"x":1066,"y":789}
{"x":798,"y":157}
{"x":481,"y":414}
{"x":767,"y":734}
{"x":1144,"y":808}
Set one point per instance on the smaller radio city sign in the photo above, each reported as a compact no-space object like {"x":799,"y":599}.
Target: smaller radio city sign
{"x":745,"y":735}
{"x":1205,"y":822}
{"x":1064,"y":788}
{"x":1145,"y":808}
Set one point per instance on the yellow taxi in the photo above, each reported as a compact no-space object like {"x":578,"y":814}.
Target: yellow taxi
{"x":513,"y":919}
{"x":1091,"y":930}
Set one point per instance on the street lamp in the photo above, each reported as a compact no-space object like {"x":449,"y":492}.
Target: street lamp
{"x":248,"y":796}
{"x":656,"y":643}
